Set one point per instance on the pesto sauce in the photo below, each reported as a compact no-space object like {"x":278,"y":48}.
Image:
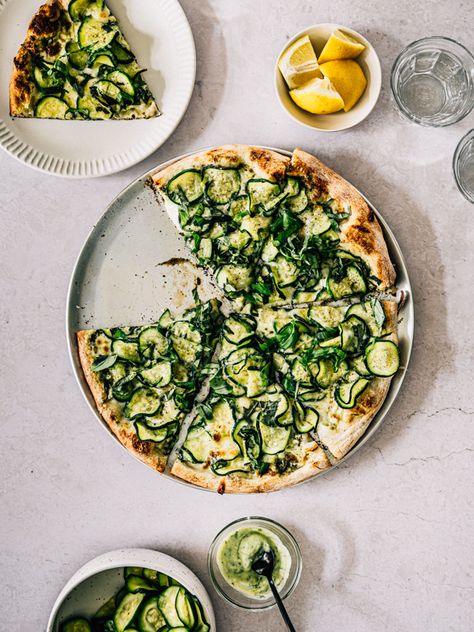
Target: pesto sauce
{"x":240,"y":549}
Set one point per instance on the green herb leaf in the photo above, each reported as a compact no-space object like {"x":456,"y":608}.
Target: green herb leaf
{"x":103,"y":362}
{"x":379,"y":314}
{"x":287,"y":336}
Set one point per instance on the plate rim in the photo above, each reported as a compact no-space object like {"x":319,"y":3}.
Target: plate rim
{"x":25,"y":153}
{"x":407,"y":309}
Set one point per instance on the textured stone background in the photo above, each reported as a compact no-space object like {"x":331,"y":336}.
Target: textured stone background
{"x":387,"y":539}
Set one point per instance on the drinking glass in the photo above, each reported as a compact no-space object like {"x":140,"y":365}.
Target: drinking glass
{"x":463,"y":166}
{"x":433,"y":81}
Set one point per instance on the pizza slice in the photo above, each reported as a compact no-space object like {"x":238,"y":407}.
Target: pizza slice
{"x":144,"y":379}
{"x":292,"y":391}
{"x":75,"y":63}
{"x":275,"y":231}
{"x":249,"y":435}
{"x":338,"y":361}
{"x":223,"y":201}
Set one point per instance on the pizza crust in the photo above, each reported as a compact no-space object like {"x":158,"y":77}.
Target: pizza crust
{"x":111,"y":411}
{"x":361,"y":234}
{"x":346,"y":426}
{"x":265,"y":163}
{"x":48,"y":30}
{"x":43,"y":26}
{"x":316,"y":463}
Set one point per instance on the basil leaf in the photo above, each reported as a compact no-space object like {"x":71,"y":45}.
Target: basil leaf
{"x":379,"y":314}
{"x":261,"y":288}
{"x":103,"y":362}
{"x":286,"y":224}
{"x":268,"y":414}
{"x":118,"y":334}
{"x":287,"y":336}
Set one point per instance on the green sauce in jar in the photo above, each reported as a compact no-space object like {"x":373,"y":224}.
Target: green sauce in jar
{"x":240,"y":549}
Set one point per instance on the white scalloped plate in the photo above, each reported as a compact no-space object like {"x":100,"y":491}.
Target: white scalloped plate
{"x":159,"y":34}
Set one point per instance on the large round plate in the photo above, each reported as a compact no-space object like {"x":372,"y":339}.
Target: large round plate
{"x":117,"y":280}
{"x":160,"y":36}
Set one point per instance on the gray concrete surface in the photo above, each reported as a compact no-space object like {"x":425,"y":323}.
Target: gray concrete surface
{"x":387,"y":539}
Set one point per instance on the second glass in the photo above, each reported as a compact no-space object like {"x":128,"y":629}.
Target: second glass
{"x":433,"y":81}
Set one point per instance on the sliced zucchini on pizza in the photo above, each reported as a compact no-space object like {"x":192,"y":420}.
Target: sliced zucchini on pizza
{"x":144,"y":379}
{"x":246,"y":444}
{"x":273,"y":232}
{"x":249,"y":434}
{"x":76,"y":64}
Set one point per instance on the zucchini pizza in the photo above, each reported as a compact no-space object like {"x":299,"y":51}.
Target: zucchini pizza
{"x":278,"y":380}
{"x":75,"y":63}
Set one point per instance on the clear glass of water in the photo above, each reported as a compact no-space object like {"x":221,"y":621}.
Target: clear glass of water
{"x":463,"y":166}
{"x":433,"y":81}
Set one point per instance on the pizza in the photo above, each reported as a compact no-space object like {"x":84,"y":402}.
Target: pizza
{"x":299,"y":353}
{"x":274,"y":230}
{"x":144,"y":379}
{"x":75,"y":63}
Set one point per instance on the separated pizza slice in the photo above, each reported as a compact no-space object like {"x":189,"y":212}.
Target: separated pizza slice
{"x":223,"y":201}
{"x":273,"y":231}
{"x":75,"y":63}
{"x":144,"y":379}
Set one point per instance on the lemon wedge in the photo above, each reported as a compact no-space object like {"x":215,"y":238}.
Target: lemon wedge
{"x":340,"y":46}
{"x":347,"y":78}
{"x":298,"y":64}
{"x":317,"y":96}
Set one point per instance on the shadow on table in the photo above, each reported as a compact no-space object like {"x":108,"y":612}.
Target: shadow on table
{"x":211,"y":75}
{"x":432,"y":349}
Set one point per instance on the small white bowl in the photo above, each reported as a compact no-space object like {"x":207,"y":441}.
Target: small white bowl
{"x":370,"y":64}
{"x":95,"y":582}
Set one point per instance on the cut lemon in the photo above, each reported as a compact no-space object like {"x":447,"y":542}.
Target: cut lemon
{"x":298,"y":64}
{"x":317,"y":96}
{"x":347,"y":78}
{"x":340,"y":46}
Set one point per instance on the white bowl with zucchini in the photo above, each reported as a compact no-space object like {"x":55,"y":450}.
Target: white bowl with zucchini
{"x":133,"y":590}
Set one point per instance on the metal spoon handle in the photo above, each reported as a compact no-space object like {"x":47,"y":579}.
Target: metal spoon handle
{"x":280,"y":605}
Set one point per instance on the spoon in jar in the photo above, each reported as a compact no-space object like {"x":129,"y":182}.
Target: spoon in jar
{"x":263,"y":565}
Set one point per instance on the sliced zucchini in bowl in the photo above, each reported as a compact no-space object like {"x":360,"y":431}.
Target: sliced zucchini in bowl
{"x":127,"y":610}
{"x":150,"y":618}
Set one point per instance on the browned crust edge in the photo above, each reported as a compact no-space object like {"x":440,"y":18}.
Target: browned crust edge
{"x":146,"y":451}
{"x":354,"y":422}
{"x":361,"y":234}
{"x":317,"y":462}
{"x":264,"y":162}
{"x":42,"y":27}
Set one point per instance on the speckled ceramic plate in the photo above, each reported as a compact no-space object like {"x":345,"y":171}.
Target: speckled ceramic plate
{"x":95,"y":582}
{"x":159,"y":34}
{"x":120,"y":279}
